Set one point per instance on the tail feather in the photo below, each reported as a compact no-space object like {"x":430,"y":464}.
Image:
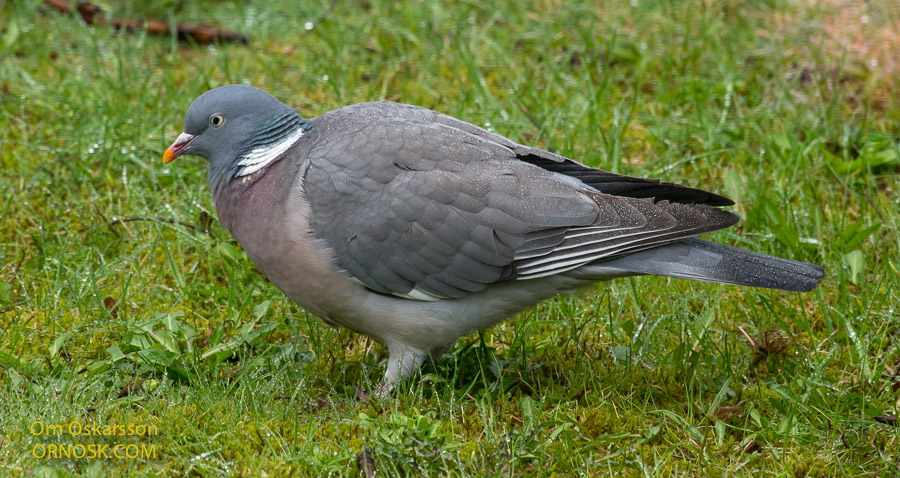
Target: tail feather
{"x":700,"y":260}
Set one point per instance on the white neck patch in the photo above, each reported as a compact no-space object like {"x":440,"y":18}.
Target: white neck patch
{"x":258,"y":158}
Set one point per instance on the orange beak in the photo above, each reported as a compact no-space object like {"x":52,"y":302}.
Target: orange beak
{"x":177,"y":148}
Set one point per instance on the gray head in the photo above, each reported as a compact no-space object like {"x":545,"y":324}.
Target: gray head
{"x":227,"y":123}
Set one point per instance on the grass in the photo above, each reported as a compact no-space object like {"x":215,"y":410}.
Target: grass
{"x":788,"y":107}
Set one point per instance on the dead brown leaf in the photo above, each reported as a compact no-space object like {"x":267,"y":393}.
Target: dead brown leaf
{"x":768,"y":342}
{"x":366,"y":463}
{"x":112,"y":305}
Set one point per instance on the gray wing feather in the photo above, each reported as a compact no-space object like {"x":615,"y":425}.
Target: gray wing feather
{"x":443,"y":213}
{"x":626,"y":226}
{"x":418,"y":204}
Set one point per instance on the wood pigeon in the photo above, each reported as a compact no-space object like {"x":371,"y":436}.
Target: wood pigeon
{"x":415,"y":228}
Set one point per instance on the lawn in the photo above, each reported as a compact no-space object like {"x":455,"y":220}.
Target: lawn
{"x":131,"y":322}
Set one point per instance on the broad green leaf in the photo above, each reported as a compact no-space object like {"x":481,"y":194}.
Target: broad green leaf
{"x":11,"y":33}
{"x":854,"y":235}
{"x":57,"y":344}
{"x":734,"y":185}
{"x":8,"y":359}
{"x":856,"y":261}
{"x":170,"y":320}
{"x":155,"y":356}
{"x":622,"y":353}
{"x":260,"y":310}
{"x":115,"y":353}
{"x":229,"y":251}
{"x":5,"y":292}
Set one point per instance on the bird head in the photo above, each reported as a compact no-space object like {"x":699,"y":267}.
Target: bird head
{"x":237,"y":129}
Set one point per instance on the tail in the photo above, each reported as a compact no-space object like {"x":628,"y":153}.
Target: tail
{"x":697,"y":259}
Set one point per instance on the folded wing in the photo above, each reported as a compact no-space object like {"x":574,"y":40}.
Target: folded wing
{"x":426,"y":210}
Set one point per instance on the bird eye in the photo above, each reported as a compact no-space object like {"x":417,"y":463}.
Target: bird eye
{"x":216,"y":120}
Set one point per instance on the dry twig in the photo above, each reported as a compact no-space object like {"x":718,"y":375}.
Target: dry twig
{"x":202,"y":34}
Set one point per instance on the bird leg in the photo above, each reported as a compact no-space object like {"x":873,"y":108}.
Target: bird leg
{"x":402,"y":362}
